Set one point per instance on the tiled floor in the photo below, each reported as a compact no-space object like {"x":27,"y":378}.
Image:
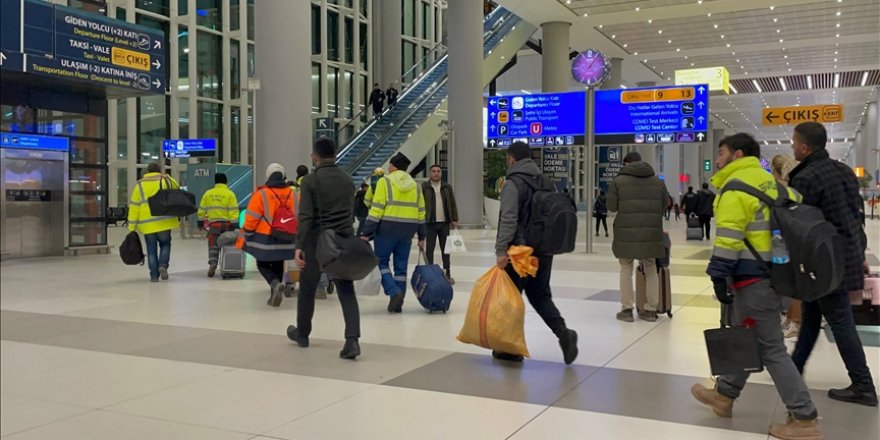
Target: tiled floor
{"x":91,"y":350}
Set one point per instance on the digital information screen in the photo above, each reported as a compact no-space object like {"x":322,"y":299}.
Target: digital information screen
{"x":652,"y":115}
{"x":173,"y":148}
{"x":34,"y":142}
{"x":551,"y":119}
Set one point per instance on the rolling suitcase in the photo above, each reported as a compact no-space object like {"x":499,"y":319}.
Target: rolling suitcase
{"x":694,"y":230}
{"x":431,"y":286}
{"x":231,"y":263}
{"x":664,"y":303}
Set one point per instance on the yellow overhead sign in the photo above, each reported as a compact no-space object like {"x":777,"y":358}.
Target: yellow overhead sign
{"x":796,"y":115}
{"x":718,"y":78}
{"x":131,"y":59}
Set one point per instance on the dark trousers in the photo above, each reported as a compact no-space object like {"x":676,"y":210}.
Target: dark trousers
{"x":271,"y":270}
{"x":435,"y":231}
{"x":706,"y":224}
{"x":604,"y":220}
{"x":837,"y":311}
{"x":305,"y":301}
{"x":537,"y":290}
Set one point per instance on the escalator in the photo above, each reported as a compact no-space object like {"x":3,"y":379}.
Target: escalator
{"x":413,"y":125}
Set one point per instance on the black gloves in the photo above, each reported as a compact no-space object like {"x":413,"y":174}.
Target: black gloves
{"x":722,"y":292}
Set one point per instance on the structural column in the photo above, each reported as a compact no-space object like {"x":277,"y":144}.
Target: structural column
{"x":387,"y":40}
{"x":283,"y":41}
{"x":871,"y":140}
{"x":555,"y":71}
{"x":465,"y":20}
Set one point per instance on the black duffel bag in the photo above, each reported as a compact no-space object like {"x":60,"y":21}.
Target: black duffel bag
{"x":131,"y":251}
{"x":172,"y":202}
{"x":345,"y":258}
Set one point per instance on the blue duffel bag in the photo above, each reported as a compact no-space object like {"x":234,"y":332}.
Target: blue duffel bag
{"x":431,"y":286}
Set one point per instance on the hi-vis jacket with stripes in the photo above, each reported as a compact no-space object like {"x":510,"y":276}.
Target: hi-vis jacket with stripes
{"x":219,"y":204}
{"x":398,"y":208}
{"x":739,"y":216}
{"x":139,"y":217}
{"x":255,"y":237}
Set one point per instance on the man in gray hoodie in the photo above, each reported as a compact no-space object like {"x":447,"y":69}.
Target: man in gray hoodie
{"x":515,"y":204}
{"x":639,"y":199}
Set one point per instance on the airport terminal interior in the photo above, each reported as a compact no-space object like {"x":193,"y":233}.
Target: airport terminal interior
{"x":96,"y":91}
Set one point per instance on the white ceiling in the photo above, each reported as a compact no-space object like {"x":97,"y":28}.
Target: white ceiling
{"x":761,"y":38}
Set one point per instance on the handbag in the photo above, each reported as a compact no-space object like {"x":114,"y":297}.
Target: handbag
{"x":456,"y":243}
{"x":172,"y":202}
{"x":732,"y":350}
{"x":345,"y":257}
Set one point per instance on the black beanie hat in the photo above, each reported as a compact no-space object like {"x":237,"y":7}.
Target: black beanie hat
{"x":400,"y":162}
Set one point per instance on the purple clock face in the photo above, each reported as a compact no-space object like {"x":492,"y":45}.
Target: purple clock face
{"x":589,"y":67}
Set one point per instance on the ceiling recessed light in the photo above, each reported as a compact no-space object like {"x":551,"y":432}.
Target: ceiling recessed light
{"x":781,"y":40}
{"x":778,"y":31}
{"x":699,"y":2}
{"x":624,"y":45}
{"x":837,"y":25}
{"x":678,"y":49}
{"x":660,"y":31}
{"x":692,"y":64}
{"x":775,"y":20}
{"x":837,"y":36}
{"x":613,"y":36}
{"x":810,"y":82}
{"x":837,"y":14}
{"x":635,"y":53}
{"x":709,"y":14}
{"x":669,"y":41}
{"x":772,"y":7}
{"x":835,"y":60}
{"x":601,"y":26}
{"x":728,"y":44}
{"x":650,"y":21}
{"x":586,"y":15}
{"x":722,"y":36}
{"x":644,"y":61}
{"x":835,"y":52}
{"x":638,"y":9}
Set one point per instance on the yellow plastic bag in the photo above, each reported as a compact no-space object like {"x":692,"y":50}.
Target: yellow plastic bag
{"x":522,"y":260}
{"x":495,"y":316}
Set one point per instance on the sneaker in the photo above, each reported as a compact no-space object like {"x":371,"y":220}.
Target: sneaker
{"x":277,"y":294}
{"x":321,"y":293}
{"x":852,"y":395}
{"x":154,"y":280}
{"x":395,"y":304}
{"x":791,"y":330}
{"x":647,"y":315}
{"x":293,"y":335}
{"x":449,"y":278}
{"x":625,"y":315}
{"x":351,"y":349}
{"x":289,"y":290}
{"x":722,"y":406}
{"x":569,"y":345}
{"x":795,"y":429}
{"x":212,"y":270}
{"x":502,"y":356}
{"x":163,"y":273}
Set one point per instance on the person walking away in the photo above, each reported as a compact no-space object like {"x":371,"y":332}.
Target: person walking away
{"x":361,"y":211}
{"x":155,"y":229}
{"x":638,"y":197}
{"x":324,"y":286}
{"x":741,"y":217}
{"x":396,"y":214}
{"x":272,"y":208}
{"x":515,"y":207}
{"x":377,"y":175}
{"x":441,"y":215}
{"x":780,"y":166}
{"x":832,"y":187}
{"x":600,"y":211}
{"x":669,"y":208}
{"x":219,"y":211}
{"x":704,"y":201}
{"x":391,"y":95}
{"x":677,"y":209}
{"x":377,"y":100}
{"x":326,"y":204}
{"x":689,"y":202}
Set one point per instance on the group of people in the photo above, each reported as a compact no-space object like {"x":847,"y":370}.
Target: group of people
{"x":379,"y":98}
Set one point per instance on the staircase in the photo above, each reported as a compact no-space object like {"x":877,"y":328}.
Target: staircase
{"x":412,"y":126}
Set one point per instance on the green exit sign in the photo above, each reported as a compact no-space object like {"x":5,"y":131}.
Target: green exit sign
{"x":707,"y":165}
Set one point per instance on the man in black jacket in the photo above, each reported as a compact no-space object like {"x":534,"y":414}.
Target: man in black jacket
{"x":361,"y":210}
{"x":705,"y":200}
{"x":689,"y":202}
{"x":832,"y":187}
{"x":377,"y":100}
{"x":326,"y":202}
{"x":441,"y":214}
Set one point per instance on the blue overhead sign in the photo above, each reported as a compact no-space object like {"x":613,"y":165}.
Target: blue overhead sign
{"x":551,"y":119}
{"x":652,"y":115}
{"x":189,"y":147}
{"x":34,"y":142}
{"x":70,"y":44}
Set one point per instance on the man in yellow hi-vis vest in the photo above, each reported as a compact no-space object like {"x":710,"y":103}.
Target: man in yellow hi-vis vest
{"x":219,"y":210}
{"x":155,"y":229}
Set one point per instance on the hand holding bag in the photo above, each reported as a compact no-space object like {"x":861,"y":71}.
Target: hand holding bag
{"x":732,"y":350}
{"x":172,"y":202}
{"x":455,"y":243}
{"x":345,"y":258}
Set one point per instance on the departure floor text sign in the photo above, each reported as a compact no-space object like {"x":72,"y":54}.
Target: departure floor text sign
{"x":796,"y":115}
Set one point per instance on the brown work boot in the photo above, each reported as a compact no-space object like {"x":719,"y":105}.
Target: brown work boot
{"x":796,"y":429}
{"x":722,"y":406}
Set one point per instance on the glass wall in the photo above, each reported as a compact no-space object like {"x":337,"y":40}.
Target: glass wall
{"x":420,"y":24}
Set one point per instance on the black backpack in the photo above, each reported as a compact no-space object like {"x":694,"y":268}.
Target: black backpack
{"x":816,"y":252}
{"x":547,"y":219}
{"x":131,"y":251}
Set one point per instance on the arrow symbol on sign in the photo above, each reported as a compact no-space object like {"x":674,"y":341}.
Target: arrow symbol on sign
{"x":492,"y":102}
{"x":157,"y":83}
{"x":157,"y":64}
{"x":322,"y":123}
{"x":770,"y":117}
{"x":157,"y":45}
{"x":492,"y":143}
{"x":2,"y":58}
{"x":700,"y":136}
{"x":701,"y":104}
{"x":701,"y":89}
{"x":701,"y":119}
{"x":492,"y":114}
{"x":492,"y":127}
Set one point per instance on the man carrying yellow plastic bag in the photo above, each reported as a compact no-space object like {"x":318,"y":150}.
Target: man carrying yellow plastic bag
{"x":534,"y":280}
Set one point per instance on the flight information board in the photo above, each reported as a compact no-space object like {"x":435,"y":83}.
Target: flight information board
{"x":34,"y":142}
{"x":652,"y":115}
{"x":550,"y":119}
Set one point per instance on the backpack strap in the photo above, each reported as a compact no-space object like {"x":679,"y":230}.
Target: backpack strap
{"x":739,"y":185}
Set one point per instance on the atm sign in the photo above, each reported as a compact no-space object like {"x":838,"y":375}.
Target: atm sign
{"x":131,"y":59}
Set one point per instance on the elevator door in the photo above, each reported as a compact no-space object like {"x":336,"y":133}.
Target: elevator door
{"x":33,"y":216}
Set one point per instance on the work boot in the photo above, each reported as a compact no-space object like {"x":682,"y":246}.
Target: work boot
{"x":212,"y":269}
{"x":293,"y":335}
{"x":395,"y":304}
{"x":721,"y":405}
{"x":625,"y":315}
{"x":648,"y":315}
{"x":351,"y":349}
{"x":277,"y":294}
{"x":569,"y":346}
{"x":449,"y":278}
{"x":502,"y":356}
{"x":795,"y":429}
{"x":163,"y":273}
{"x":852,"y":395}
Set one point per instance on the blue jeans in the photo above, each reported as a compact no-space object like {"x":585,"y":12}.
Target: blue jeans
{"x":386,"y":247}
{"x":158,"y":251}
{"x":838,"y":312}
